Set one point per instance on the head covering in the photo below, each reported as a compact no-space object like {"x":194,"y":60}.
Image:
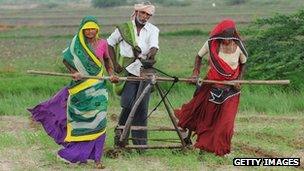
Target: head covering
{"x":81,"y":49}
{"x":225,"y":30}
{"x":89,"y":22}
{"x":90,"y":25}
{"x":145,"y":7}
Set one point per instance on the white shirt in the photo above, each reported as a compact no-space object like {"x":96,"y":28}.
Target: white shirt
{"x":148,"y":38}
{"x":232,"y":59}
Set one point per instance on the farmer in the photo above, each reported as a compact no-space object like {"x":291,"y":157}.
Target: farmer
{"x":129,"y":44}
{"x":212,"y":110}
{"x":76,"y":116}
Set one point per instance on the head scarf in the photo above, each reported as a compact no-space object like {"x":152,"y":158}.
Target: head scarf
{"x":81,"y":50}
{"x":88,"y":22}
{"x":145,"y":7}
{"x":225,"y":30}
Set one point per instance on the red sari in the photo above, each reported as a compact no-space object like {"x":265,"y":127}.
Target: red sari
{"x":213,"y":122}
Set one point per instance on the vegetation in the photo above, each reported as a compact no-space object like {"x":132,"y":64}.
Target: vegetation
{"x":113,"y":3}
{"x":276,"y":48}
{"x":108,"y":3}
{"x":39,"y":1}
{"x":172,"y":2}
{"x":270,"y":118}
{"x":235,"y":2}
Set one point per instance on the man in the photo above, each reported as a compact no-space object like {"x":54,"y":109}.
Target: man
{"x":129,"y":44}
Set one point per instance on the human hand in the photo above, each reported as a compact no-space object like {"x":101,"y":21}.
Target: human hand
{"x":114,"y":79}
{"x":193,"y":79}
{"x":136,"y":51}
{"x":148,"y":63}
{"x":118,"y":68}
{"x":237,"y":86}
{"x":76,"y":76}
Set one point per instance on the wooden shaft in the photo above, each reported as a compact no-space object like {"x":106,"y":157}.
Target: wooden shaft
{"x":65,"y":75}
{"x":164,"y":79}
{"x":152,"y":147}
{"x":260,"y":81}
{"x":126,"y":130}
{"x":173,"y":120}
{"x":165,"y":140}
{"x":158,"y":139}
{"x":139,"y":128}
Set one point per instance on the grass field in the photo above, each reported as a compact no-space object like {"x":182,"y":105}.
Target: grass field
{"x":270,"y":121}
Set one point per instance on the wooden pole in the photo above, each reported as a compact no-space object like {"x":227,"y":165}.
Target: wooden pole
{"x":141,"y":128}
{"x":158,"y":139}
{"x":173,"y":120}
{"x":165,"y":79}
{"x":126,"y":130}
{"x":153,"y":147}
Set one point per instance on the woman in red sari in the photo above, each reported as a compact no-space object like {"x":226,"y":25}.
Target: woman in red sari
{"x":212,"y":110}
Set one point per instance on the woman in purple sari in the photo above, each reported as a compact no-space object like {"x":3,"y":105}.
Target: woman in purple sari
{"x":76,"y":116}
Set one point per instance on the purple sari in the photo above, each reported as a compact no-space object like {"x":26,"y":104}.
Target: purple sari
{"x":52,"y":115}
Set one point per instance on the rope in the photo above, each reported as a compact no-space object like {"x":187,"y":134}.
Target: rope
{"x":167,"y":92}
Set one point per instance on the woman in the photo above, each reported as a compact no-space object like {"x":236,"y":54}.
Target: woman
{"x":76,"y":116}
{"x":212,"y":110}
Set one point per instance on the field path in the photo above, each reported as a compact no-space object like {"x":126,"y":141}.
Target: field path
{"x":23,"y":146}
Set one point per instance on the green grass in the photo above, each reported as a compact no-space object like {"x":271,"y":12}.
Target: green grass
{"x":257,"y":135}
{"x":269,"y":122}
{"x":17,"y":86}
{"x":272,"y":101}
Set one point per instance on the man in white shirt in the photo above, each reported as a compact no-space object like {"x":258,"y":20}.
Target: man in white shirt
{"x":130,"y":43}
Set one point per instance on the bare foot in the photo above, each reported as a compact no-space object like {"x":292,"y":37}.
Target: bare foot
{"x":33,"y":124}
{"x":99,"y":166}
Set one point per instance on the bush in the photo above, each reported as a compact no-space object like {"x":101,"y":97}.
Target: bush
{"x":235,"y":2}
{"x":108,"y":3}
{"x":112,"y":3}
{"x":172,"y":2}
{"x":276,"y":48}
{"x":52,"y":5}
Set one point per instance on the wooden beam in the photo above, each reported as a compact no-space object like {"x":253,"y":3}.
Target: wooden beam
{"x":166,"y":79}
{"x":138,"y":128}
{"x":153,"y":146}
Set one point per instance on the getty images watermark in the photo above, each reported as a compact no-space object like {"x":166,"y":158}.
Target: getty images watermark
{"x":266,"y":162}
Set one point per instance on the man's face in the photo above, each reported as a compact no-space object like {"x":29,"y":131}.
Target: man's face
{"x":90,"y":33}
{"x":142,"y":17}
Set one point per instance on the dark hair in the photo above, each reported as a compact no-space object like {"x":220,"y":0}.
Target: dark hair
{"x":231,"y":32}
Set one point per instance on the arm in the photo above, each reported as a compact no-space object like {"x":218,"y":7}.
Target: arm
{"x":109,"y":66}
{"x":112,"y":54}
{"x":198,"y":60}
{"x":197,"y":67}
{"x":75,"y":74}
{"x":242,"y":61}
{"x":113,"y":40}
{"x":242,"y":72}
{"x":153,"y":44}
{"x":152,"y":52}
{"x":150,"y":61}
{"x":69,"y":67}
